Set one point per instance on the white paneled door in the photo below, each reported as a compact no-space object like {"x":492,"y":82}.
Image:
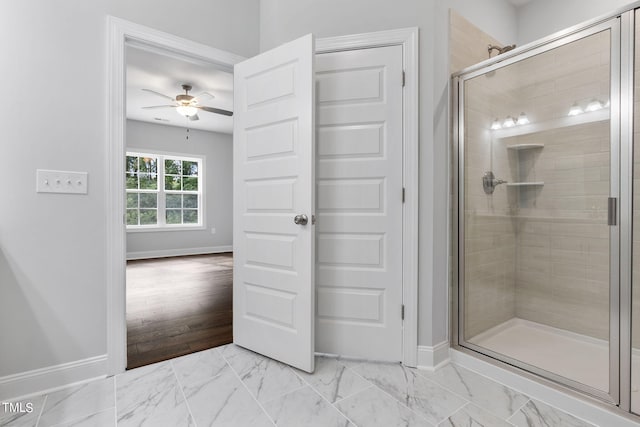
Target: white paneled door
{"x":359,"y":187}
{"x":273,"y":138}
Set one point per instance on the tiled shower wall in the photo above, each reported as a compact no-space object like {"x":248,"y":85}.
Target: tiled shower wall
{"x":539,"y":253}
{"x":490,"y":238}
{"x":562,"y":265}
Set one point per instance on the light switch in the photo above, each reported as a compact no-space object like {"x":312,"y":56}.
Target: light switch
{"x":61,"y":182}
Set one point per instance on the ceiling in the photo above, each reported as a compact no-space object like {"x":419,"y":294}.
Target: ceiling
{"x":166,"y":73}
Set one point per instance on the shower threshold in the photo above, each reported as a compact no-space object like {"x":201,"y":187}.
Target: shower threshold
{"x":578,"y":357}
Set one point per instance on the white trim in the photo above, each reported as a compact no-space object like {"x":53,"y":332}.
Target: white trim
{"x":37,"y":380}
{"x":166,"y":253}
{"x":408,"y":39}
{"x":122,"y":32}
{"x":433,"y":358}
{"x":591,"y":410}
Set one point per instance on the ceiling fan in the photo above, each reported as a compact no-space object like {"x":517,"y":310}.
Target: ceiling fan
{"x":187,"y":105}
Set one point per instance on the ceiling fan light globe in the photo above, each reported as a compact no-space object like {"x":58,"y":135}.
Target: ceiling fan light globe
{"x":187,"y":110}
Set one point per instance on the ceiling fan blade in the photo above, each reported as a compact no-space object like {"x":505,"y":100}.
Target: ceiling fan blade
{"x":194,"y":118}
{"x":159,"y":94}
{"x":216,"y":110}
{"x":159,"y":106}
{"x":203,"y":95}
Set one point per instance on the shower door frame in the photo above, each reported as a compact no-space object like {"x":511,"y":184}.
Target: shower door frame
{"x":621,"y":30}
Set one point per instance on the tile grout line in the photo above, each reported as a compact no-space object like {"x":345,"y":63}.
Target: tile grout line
{"x":115,"y":396}
{"x":456,"y":412}
{"x":286,"y":392}
{"x":533,"y":401}
{"x":354,"y":373}
{"x":471,"y":401}
{"x":325,"y":399}
{"x":519,"y":409}
{"x":44,"y":402}
{"x":80,"y":418}
{"x":302,"y":387}
{"x":245,"y":386}
{"x":184,"y":396}
{"x":530,"y":399}
{"x":392,"y":397}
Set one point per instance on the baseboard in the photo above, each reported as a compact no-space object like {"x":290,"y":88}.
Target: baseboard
{"x":165,"y":253}
{"x":431,"y":358}
{"x":52,"y":377}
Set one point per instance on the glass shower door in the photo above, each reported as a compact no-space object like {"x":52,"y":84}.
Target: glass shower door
{"x":537,"y":167}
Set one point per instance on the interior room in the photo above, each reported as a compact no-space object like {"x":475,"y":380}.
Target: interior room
{"x":179,"y":185}
{"x":419,"y":213}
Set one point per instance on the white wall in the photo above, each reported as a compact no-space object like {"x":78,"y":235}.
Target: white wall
{"x":540,"y":18}
{"x":283,"y":20}
{"x":217,"y":148}
{"x":52,"y":247}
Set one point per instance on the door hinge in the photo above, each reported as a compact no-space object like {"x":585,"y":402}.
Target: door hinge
{"x":403,"y":78}
{"x":402,"y":312}
{"x":403,"y":194}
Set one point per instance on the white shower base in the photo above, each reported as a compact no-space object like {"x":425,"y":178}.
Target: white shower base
{"x":574,"y":356}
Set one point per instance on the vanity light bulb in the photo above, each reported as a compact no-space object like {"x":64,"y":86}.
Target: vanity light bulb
{"x":575,"y":109}
{"x":594,"y":105}
{"x":523,"y":119}
{"x":509,"y":122}
{"x":496,"y":125}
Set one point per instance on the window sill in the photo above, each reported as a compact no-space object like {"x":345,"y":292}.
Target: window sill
{"x":167,"y":228}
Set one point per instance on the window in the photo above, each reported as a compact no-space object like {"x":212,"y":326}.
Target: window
{"x":163,"y":191}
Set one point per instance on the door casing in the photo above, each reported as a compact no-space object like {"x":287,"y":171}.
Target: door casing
{"x":123,"y":33}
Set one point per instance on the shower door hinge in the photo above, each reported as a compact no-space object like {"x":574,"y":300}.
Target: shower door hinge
{"x":402,"y":312}
{"x":403,"y":198}
{"x":403,"y":78}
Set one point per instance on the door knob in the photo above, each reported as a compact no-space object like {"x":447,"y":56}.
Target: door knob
{"x":301,"y":219}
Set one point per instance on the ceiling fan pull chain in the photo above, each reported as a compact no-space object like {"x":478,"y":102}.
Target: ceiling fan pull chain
{"x":187,"y":134}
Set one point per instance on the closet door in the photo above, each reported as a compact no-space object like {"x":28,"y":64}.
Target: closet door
{"x":273,"y":138}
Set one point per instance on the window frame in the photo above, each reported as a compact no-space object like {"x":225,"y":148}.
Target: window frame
{"x":161,"y":192}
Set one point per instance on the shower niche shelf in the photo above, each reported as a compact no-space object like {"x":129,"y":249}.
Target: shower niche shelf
{"x":518,"y":147}
{"x":525,"y":184}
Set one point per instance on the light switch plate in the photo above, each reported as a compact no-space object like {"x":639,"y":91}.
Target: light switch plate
{"x":48,"y":181}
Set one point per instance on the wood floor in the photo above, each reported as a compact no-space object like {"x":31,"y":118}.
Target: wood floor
{"x":177,"y":306}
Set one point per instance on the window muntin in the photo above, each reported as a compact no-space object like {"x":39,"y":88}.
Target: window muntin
{"x":176,"y":203}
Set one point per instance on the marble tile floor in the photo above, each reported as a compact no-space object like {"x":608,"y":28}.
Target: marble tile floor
{"x":231,"y":386}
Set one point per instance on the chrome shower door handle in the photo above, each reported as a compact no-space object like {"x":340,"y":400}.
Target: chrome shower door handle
{"x":301,"y":219}
{"x":612,"y":211}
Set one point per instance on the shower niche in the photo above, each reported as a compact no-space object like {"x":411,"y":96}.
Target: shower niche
{"x":542,"y":264}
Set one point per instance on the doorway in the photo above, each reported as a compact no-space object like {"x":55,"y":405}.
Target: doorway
{"x":407,"y":38}
{"x":178,"y":209}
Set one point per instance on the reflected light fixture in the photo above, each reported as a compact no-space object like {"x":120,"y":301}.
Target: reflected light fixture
{"x":509,"y":122}
{"x":187,"y":110}
{"x":522,"y":119}
{"x":496,"y":125}
{"x":594,"y":105}
{"x":575,"y":109}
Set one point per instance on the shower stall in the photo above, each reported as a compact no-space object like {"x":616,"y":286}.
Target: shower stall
{"x":544,"y":204}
